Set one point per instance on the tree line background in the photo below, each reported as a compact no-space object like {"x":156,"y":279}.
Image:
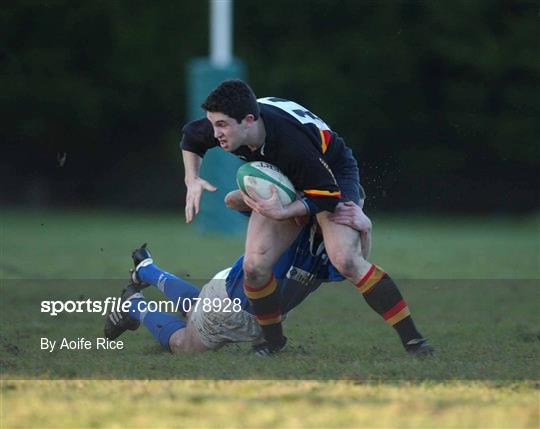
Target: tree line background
{"x":439,"y":100}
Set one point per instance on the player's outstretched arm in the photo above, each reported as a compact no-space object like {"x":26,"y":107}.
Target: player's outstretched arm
{"x":195,"y":185}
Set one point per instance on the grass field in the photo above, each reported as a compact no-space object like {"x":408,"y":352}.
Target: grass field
{"x":472,"y":285}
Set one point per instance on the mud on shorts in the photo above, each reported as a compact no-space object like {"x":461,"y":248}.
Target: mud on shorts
{"x":217,"y":328}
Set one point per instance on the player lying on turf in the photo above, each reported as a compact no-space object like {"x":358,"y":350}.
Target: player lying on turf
{"x":299,"y":271}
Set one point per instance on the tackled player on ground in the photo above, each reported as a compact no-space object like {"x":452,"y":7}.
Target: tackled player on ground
{"x":301,"y":270}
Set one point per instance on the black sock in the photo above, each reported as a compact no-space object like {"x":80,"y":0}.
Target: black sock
{"x":383,"y":296}
{"x":266,"y":305}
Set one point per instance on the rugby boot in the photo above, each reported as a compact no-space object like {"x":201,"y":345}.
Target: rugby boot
{"x":268,"y":349}
{"x":118,"y":321}
{"x":419,"y":347}
{"x":141,"y":257}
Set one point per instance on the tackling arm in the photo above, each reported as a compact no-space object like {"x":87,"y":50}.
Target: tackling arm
{"x":351,"y":214}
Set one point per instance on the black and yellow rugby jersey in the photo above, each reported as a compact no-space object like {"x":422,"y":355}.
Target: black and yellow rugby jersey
{"x":298,"y":142}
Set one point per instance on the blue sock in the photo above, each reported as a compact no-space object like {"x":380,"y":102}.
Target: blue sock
{"x":161,"y":325}
{"x":172,"y":286}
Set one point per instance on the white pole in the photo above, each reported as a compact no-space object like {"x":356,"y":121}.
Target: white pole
{"x":220,"y":32}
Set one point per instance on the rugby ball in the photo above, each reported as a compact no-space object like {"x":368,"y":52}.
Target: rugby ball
{"x":261,"y":176}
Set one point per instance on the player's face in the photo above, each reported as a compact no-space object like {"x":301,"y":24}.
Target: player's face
{"x":228,"y":131}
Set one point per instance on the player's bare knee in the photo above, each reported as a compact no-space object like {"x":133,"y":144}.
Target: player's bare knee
{"x":183,"y":348}
{"x":255,"y":269}
{"x":349,"y":264}
{"x":177,"y":341}
{"x":253,"y":274}
{"x":184,"y":341}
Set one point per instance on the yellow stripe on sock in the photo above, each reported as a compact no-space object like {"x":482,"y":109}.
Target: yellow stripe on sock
{"x":269,"y":321}
{"x":370,"y":283}
{"x":398,"y":317}
{"x":263,"y":292}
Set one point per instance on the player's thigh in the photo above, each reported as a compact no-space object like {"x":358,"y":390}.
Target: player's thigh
{"x":343,"y":246}
{"x":267,"y":239}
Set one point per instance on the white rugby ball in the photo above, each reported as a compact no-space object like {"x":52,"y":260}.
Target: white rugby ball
{"x":261,"y":176}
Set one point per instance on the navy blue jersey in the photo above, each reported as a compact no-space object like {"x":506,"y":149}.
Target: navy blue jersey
{"x":299,"y":143}
{"x":299,"y":271}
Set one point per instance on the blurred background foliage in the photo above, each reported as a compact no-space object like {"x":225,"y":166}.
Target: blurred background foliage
{"x":439,"y":100}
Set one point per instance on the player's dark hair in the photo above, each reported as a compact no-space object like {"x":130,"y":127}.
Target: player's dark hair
{"x":234,"y":98}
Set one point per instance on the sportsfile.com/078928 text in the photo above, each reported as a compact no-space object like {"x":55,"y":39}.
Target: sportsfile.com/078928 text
{"x":207,"y":305}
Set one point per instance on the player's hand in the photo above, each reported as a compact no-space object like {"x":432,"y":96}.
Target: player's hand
{"x":195,"y":189}
{"x":350,"y":214}
{"x":271,"y":207}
